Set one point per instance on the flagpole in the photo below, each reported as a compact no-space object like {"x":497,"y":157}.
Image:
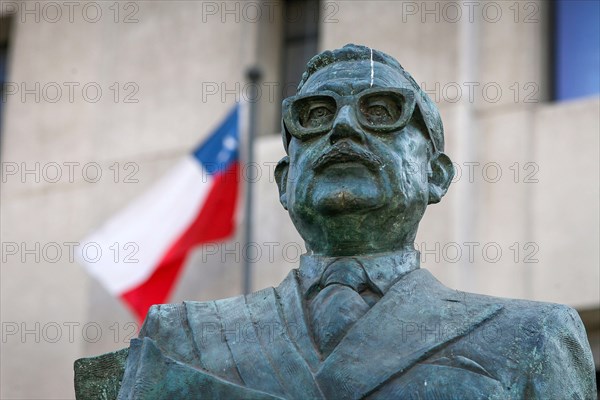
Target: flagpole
{"x":253,"y":75}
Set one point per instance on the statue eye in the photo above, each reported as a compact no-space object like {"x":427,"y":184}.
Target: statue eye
{"x":380,"y":110}
{"x":317,"y":115}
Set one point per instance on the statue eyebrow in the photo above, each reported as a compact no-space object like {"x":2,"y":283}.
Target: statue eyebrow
{"x":343,"y":86}
{"x":335,"y":86}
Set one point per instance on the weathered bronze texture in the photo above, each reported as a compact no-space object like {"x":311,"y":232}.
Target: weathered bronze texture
{"x":358,"y":318}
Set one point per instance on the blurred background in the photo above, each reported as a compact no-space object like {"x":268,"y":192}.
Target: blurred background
{"x":127,"y":88}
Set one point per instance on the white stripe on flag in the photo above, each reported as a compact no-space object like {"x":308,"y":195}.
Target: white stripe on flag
{"x":153,"y":223}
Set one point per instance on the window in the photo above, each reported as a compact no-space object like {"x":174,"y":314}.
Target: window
{"x":4,"y":34}
{"x":577,"y":49}
{"x":300,"y":40}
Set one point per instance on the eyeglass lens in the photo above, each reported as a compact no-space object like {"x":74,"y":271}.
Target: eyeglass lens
{"x":374,"y":110}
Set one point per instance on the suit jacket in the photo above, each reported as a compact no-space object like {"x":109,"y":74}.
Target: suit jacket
{"x":421,"y":340}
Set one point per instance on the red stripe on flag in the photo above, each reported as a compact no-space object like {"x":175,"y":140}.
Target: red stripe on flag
{"x":215,"y":221}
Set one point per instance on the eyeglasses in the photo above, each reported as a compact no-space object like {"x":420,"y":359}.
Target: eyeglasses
{"x":377,"y":110}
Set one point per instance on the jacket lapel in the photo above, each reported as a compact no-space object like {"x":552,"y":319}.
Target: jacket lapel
{"x":275,"y":337}
{"x":293,"y":314}
{"x":157,"y":376}
{"x":261,"y":330}
{"x":240,"y":334}
{"x":417,"y":317}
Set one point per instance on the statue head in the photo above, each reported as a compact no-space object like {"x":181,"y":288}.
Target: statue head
{"x":364,"y":151}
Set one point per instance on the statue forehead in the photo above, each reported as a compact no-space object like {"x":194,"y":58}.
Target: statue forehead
{"x":354,"y":76}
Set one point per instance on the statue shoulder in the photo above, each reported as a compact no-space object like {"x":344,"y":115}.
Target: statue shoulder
{"x":177,"y":322}
{"x":553,"y":317}
{"x":553,"y":339}
{"x":561,"y":361}
{"x":165,"y":319}
{"x":541,"y":319}
{"x":190,"y":332}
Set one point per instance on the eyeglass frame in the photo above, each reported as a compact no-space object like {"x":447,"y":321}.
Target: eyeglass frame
{"x":292,"y":121}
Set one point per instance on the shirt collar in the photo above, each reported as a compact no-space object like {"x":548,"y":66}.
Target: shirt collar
{"x":383,"y":269}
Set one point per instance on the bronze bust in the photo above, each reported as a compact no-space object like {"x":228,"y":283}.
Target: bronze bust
{"x":358,"y":319}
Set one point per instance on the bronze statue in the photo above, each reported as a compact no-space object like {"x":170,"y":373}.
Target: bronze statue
{"x":358,"y":319}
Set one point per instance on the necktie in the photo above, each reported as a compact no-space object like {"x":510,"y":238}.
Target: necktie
{"x":339,"y":304}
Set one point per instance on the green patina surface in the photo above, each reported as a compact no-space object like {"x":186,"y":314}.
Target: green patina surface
{"x":100,"y":377}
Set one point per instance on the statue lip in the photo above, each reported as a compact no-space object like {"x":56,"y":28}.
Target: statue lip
{"x":346,"y":152}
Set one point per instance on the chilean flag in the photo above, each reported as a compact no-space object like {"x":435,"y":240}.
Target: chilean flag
{"x":144,"y":247}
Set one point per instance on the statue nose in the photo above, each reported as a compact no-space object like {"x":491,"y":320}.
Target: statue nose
{"x":346,"y":126}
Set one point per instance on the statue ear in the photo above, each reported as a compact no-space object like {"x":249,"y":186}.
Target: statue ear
{"x":281,"y":175}
{"x":440,"y":177}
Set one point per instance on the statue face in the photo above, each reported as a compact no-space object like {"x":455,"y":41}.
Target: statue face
{"x":357,"y":179}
